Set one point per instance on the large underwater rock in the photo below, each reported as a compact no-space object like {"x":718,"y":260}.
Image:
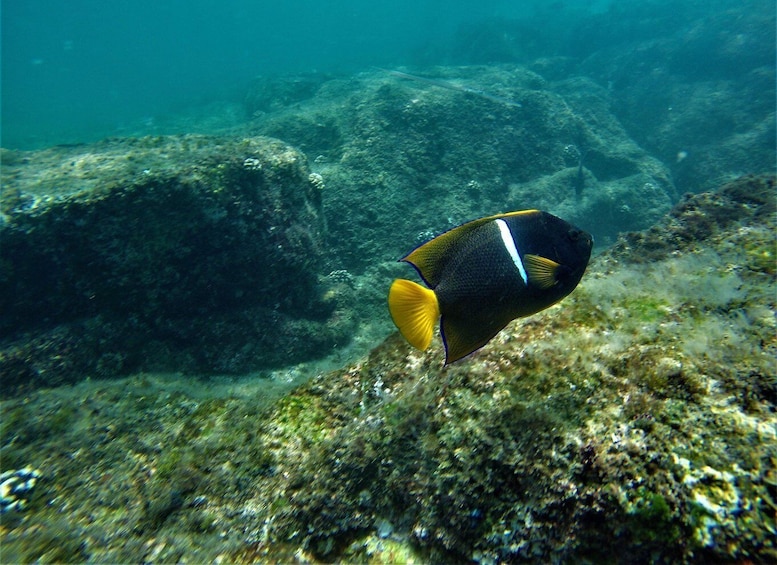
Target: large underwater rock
{"x":693,"y":83}
{"x":641,"y":411}
{"x":632,"y":423}
{"x":408,"y":159}
{"x":185,"y":253}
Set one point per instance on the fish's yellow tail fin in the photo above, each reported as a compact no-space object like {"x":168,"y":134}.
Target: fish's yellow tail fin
{"x":414,"y":310}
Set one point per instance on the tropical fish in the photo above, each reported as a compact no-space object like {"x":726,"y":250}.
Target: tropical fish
{"x":486,"y":273}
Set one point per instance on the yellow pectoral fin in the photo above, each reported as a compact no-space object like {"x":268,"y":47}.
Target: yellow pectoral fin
{"x":542,"y":271}
{"x":414,"y":310}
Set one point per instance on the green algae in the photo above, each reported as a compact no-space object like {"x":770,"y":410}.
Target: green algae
{"x":55,"y":542}
{"x":647,"y":309}
{"x":651,"y":519}
{"x":374,"y":550}
{"x":302,"y":417}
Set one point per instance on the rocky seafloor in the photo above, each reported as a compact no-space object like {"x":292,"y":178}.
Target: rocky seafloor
{"x":265,"y":239}
{"x":634,"y":422}
{"x":180,"y":286}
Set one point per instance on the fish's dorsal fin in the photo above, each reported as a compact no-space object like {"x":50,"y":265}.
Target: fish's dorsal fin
{"x":542,"y":271}
{"x":430,"y":258}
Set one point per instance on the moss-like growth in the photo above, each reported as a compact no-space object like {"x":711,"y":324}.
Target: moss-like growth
{"x":301,"y":417}
{"x":651,"y":521}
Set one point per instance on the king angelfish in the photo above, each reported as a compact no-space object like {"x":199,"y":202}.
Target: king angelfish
{"x":486,"y":273}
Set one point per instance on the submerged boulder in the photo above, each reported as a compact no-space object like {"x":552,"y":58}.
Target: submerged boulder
{"x":692,"y":85}
{"x":634,"y":422}
{"x":641,"y":409}
{"x":691,"y":82}
{"x":170,"y":253}
{"x":411,"y":156}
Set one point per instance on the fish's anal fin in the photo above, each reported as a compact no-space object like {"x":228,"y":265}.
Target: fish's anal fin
{"x":415,"y":311}
{"x":461,"y":337}
{"x":542,"y":272}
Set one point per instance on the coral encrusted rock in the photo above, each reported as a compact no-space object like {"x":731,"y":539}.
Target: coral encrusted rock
{"x":632,"y":423}
{"x":168,"y":253}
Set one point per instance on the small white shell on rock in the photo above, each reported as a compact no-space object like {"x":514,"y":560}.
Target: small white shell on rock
{"x":15,"y":487}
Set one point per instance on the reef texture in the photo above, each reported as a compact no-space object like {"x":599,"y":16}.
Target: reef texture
{"x":691,"y":82}
{"x":161,"y":253}
{"x":699,"y":94}
{"x":412,"y":159}
{"x":654,"y":98}
{"x":634,"y":422}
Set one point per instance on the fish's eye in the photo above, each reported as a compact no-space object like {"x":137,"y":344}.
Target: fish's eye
{"x":574,"y":234}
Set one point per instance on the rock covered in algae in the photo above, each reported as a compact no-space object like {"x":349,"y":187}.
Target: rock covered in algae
{"x":186,"y":252}
{"x":706,"y":106}
{"x":640,"y":410}
{"x":693,"y":85}
{"x":404,"y":157}
{"x":634,"y":422}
